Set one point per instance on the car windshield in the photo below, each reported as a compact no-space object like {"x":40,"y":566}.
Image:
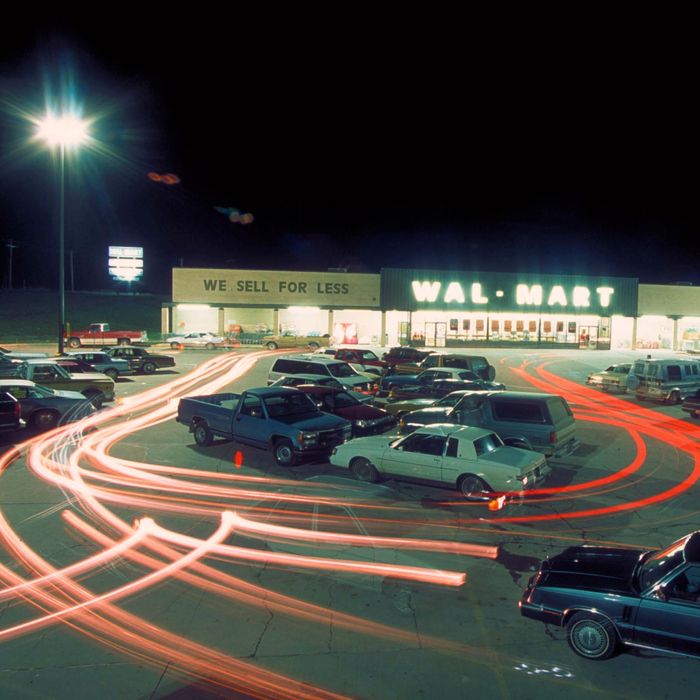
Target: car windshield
{"x":450,"y":399}
{"x":656,"y":565}
{"x":39,"y":391}
{"x":342,"y":370}
{"x":289,"y":405}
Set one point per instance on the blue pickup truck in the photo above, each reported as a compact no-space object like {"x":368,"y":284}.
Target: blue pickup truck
{"x":280,"y":419}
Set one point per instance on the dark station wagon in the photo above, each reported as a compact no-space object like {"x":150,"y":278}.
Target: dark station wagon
{"x":606,"y":597}
{"x":140,"y":360}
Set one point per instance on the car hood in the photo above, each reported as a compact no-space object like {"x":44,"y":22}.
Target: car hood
{"x":361,"y":412}
{"x":602,"y":569}
{"x":64,"y":394}
{"x":418,"y":403}
{"x":432,"y":414}
{"x":313,"y":421}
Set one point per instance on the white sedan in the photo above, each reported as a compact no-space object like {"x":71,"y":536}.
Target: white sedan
{"x":473,"y":460}
{"x":195,"y":340}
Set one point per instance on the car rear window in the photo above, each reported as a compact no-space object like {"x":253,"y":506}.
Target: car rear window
{"x":523,"y":411}
{"x":559,"y":410}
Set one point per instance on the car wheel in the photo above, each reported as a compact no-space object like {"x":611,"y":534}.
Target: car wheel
{"x":202,"y":434}
{"x":695,"y":414}
{"x":123,"y":341}
{"x":209,"y":346}
{"x":148,"y":368}
{"x":284,"y":453}
{"x":473,"y":488}
{"x":363,"y":470}
{"x":591,"y":638}
{"x":96,"y":398}
{"x":314,"y":346}
{"x":74,"y":342}
{"x":174,"y":346}
{"x":675,"y":397}
{"x":271,"y":346}
{"x":44,"y":420}
{"x":112,"y":374}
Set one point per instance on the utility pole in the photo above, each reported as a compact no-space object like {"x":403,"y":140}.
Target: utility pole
{"x":10,"y":244}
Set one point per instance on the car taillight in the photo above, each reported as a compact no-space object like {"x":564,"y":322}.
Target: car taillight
{"x":17,"y":410}
{"x":552,"y":438}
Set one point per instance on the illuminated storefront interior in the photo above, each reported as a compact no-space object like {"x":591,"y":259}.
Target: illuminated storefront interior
{"x":438,"y":308}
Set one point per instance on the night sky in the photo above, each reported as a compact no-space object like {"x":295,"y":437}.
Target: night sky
{"x":413,"y":141}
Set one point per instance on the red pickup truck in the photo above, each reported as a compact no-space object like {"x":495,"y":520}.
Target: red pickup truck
{"x":100,"y":334}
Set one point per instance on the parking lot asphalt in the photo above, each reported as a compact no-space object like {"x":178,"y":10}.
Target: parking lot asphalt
{"x":92,"y":613}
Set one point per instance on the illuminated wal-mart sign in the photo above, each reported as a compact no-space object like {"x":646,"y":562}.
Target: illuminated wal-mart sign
{"x":425,"y":289}
{"x":525,"y":294}
{"x":125,"y":262}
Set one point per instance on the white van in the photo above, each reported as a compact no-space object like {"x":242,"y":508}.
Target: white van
{"x":664,"y":380}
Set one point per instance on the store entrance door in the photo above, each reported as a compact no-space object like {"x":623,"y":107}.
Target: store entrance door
{"x":588,"y":337}
{"x":435,"y":334}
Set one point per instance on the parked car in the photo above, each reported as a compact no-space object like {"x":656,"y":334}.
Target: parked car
{"x":440,"y":388}
{"x":613,"y":378}
{"x":48,"y":372}
{"x":281,"y":419}
{"x":44,"y":408}
{"x":404,"y":405}
{"x":113,"y":367}
{"x":140,"y":360}
{"x":475,"y":363}
{"x":328,"y":366}
{"x":196,"y":339}
{"x":404,"y":353}
{"x":663,"y":379}
{"x":541,"y":422}
{"x":427,"y":378}
{"x":320,"y":380}
{"x":366,"y":420}
{"x":473,"y":460}
{"x":10,"y":417}
{"x":691,"y":404}
{"x":605,"y":597}
{"x":291,"y":340}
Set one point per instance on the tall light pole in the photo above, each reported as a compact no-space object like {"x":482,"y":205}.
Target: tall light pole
{"x":65,"y":131}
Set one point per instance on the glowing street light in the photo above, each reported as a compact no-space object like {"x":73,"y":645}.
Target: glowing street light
{"x":65,"y":131}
